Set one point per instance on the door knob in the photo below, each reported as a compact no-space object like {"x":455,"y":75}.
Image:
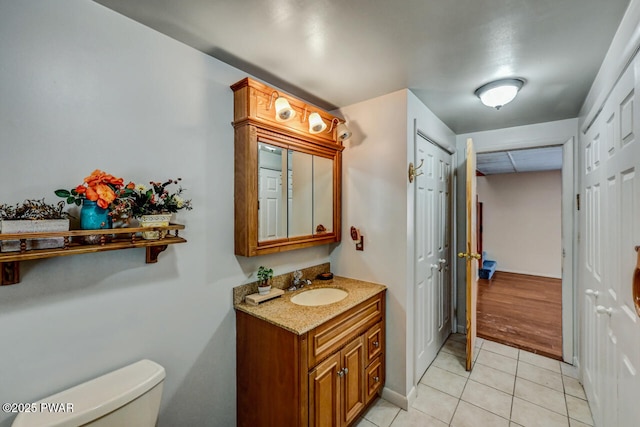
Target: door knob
{"x":592,"y":293}
{"x":469,"y":256}
{"x":603,"y":310}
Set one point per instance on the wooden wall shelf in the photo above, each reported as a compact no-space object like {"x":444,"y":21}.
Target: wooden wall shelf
{"x":108,"y":240}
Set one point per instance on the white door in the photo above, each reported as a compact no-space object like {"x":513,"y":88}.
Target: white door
{"x":621,"y":152}
{"x":444,"y":186}
{"x":432,"y":252}
{"x":611,"y":327}
{"x":591,"y":260}
{"x":270,"y":207}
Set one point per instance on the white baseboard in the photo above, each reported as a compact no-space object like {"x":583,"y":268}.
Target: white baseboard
{"x":399,"y":400}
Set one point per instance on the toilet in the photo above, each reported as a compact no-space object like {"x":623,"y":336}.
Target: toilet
{"x":129,"y":396}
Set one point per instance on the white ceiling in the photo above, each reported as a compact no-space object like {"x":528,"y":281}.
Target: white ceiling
{"x":527,"y":160}
{"x":335,"y":53}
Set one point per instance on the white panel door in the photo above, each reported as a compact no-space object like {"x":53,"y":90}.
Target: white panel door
{"x":593,"y":290}
{"x":611,"y":230}
{"x":623,"y":204}
{"x":432,"y":253}
{"x":270,"y":195}
{"x":444,"y":185}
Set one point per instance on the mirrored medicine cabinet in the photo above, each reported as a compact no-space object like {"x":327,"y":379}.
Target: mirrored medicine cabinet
{"x":287,"y":179}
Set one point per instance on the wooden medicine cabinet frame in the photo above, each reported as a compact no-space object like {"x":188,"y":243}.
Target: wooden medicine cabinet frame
{"x":255,"y":123}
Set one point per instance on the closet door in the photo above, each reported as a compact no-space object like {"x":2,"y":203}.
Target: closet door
{"x":611,"y":230}
{"x":432,"y":285}
{"x":623,"y":206}
{"x":591,"y":267}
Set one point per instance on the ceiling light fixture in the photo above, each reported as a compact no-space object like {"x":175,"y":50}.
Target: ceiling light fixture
{"x":284,"y":112}
{"x":500,"y":92}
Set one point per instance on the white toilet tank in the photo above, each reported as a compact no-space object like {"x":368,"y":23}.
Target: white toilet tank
{"x":129,"y":396}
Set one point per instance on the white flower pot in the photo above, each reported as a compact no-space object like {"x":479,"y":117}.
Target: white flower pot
{"x":264,"y":290}
{"x":154,"y":221}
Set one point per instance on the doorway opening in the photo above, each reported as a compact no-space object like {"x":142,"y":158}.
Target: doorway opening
{"x":520,"y":301}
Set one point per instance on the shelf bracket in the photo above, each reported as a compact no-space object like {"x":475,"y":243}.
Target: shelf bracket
{"x":153,"y":252}
{"x":10,"y":272}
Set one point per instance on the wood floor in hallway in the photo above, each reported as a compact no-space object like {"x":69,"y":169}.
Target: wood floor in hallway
{"x":522,"y":311}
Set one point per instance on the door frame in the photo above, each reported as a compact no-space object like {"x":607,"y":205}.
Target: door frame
{"x":569,"y":239}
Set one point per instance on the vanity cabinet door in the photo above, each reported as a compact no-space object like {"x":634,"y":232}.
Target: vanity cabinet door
{"x":324,"y":393}
{"x":337,"y":387}
{"x":353,"y":359}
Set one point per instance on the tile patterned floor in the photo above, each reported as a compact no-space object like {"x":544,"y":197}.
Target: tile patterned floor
{"x":507,"y":388}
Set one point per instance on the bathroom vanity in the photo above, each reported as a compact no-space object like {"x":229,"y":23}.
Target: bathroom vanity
{"x":310,"y":365}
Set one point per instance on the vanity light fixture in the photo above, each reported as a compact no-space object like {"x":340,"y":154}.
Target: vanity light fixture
{"x":500,"y":92}
{"x":284,"y":112}
{"x":316,"y":124}
{"x":342,"y":131}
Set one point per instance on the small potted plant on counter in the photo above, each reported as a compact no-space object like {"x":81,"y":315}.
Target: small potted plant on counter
{"x":264,"y":280}
{"x":32,"y":216}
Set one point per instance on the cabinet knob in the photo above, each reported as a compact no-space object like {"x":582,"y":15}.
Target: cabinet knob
{"x":341,"y":373}
{"x":592,"y":293}
{"x":346,"y":371}
{"x":376,"y":344}
{"x":603,"y":310}
{"x":376,"y":379}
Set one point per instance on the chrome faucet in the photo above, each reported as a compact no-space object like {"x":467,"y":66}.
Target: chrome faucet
{"x":298,"y":282}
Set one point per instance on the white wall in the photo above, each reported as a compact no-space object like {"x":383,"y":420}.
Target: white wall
{"x":374,"y":200}
{"x":82,"y":87}
{"x":378,"y":199}
{"x":522,"y":221}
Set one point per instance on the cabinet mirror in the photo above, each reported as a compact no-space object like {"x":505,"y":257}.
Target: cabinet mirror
{"x":295,"y":193}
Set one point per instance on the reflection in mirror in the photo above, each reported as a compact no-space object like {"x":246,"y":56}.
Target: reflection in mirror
{"x":322,"y":195}
{"x":272,"y":207}
{"x":300,"y":195}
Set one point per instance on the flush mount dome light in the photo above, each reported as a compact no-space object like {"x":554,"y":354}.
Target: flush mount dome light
{"x":499,"y":93}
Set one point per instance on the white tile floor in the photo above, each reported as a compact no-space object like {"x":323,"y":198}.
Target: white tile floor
{"x":507,"y":387}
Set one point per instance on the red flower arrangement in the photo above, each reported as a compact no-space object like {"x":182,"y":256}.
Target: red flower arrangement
{"x":100,"y":187}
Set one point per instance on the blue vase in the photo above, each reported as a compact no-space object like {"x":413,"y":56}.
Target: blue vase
{"x":93,"y":217}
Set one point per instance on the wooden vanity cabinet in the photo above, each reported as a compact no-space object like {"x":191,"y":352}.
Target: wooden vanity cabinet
{"x":325,"y":377}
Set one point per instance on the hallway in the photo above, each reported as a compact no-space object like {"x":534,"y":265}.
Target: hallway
{"x":507,"y":388}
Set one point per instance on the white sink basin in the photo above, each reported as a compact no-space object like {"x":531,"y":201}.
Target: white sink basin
{"x":320,"y":296}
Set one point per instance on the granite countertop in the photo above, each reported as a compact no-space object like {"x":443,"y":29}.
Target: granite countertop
{"x":301,"y":319}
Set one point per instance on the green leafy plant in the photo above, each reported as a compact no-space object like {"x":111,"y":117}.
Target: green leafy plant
{"x":264,"y":275}
{"x":32,"y":209}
